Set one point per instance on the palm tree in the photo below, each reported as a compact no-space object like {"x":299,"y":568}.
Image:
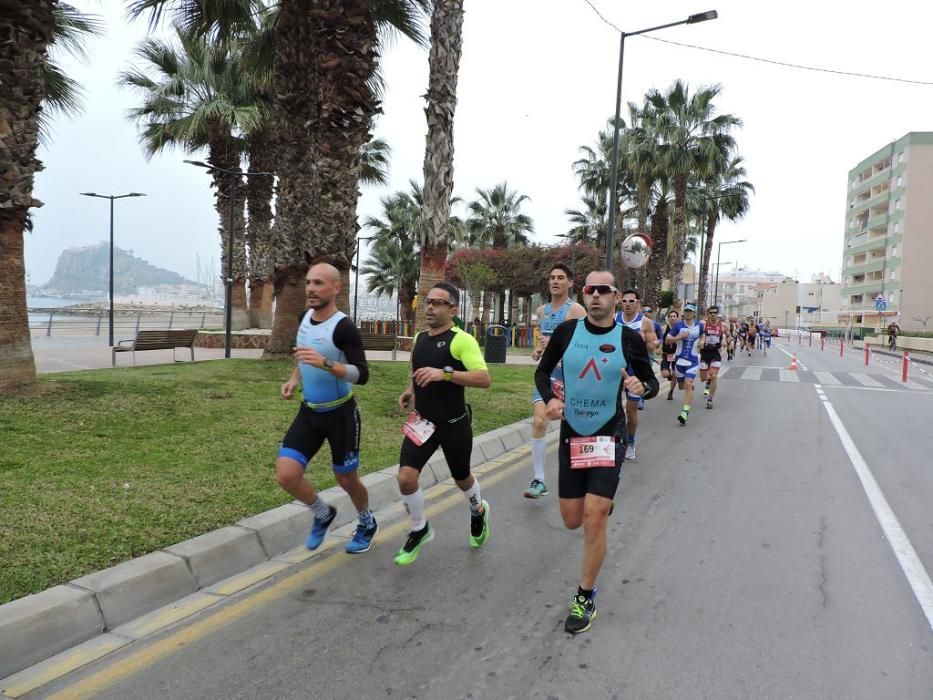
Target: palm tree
{"x":726,"y":196}
{"x":441,"y":98}
{"x":495,"y":220}
{"x":392,"y":268}
{"x":590,"y":224}
{"x":196,"y":95}
{"x":692,"y":141}
{"x":32,"y":88}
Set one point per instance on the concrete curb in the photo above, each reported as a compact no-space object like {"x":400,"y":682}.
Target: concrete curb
{"x":99,"y":612}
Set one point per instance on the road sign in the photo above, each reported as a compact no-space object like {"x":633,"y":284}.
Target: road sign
{"x":880,"y":303}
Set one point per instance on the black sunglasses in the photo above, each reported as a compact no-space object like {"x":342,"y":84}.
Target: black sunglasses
{"x":589,"y":289}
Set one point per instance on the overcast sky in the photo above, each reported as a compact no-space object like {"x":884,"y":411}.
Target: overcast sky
{"x":537,"y":81}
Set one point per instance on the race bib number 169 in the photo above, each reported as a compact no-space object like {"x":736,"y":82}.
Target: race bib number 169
{"x":593,"y":451}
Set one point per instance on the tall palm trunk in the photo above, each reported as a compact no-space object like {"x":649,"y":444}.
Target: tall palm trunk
{"x":707,"y":253}
{"x":224,"y":153}
{"x":345,"y":34}
{"x":657,"y":263}
{"x":259,"y":190}
{"x":679,"y":244}
{"x":443,"y":65}
{"x":26,"y":29}
{"x":297,"y":101}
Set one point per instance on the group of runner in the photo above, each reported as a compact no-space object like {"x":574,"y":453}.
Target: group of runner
{"x":594,"y":374}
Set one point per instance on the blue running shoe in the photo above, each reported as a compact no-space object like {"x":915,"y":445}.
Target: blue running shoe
{"x":362,"y":539}
{"x":319,"y":530}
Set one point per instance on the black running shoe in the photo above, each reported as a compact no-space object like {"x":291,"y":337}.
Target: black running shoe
{"x":582,"y":614}
{"x":709,"y":403}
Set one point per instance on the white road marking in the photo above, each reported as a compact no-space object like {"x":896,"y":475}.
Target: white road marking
{"x":865,"y":380}
{"x":753,"y":373}
{"x":910,"y":563}
{"x":827,"y":378}
{"x":787,"y":375}
{"x":722,"y":371}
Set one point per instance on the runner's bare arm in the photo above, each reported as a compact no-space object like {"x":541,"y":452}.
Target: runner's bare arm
{"x":542,"y":339}
{"x":576,"y":311}
{"x":647,"y":332}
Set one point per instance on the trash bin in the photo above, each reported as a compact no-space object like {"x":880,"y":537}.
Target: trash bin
{"x":497,"y":340}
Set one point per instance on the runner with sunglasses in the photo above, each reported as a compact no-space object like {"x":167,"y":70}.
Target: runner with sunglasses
{"x":561,"y":308}
{"x":595,"y":352}
{"x":688,"y":333}
{"x":715,"y":334}
{"x":444,"y":360}
{"x":632,"y":317}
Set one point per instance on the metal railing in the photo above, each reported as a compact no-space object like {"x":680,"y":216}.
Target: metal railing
{"x":126,"y":324}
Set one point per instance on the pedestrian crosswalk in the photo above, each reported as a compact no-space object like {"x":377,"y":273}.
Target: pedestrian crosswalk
{"x":840,"y":379}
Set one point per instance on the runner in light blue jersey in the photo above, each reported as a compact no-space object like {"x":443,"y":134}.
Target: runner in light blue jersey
{"x":688,"y":334}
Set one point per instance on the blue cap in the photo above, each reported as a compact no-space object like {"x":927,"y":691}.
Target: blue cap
{"x":690,"y":307}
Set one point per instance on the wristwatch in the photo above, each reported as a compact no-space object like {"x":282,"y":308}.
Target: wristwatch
{"x":448,"y":374}
{"x":328,"y":364}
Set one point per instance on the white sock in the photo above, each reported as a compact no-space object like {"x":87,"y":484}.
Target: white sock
{"x":414,"y":504}
{"x":538,"y":448}
{"x":473,"y":497}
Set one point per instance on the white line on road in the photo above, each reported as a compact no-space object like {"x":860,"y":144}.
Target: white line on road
{"x":917,"y":576}
{"x":865,"y":380}
{"x":752,"y":373}
{"x":802,"y":366}
{"x":827,"y":378}
{"x":786,"y":375}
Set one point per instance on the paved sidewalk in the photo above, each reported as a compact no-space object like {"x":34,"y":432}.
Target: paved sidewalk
{"x":71,"y":353}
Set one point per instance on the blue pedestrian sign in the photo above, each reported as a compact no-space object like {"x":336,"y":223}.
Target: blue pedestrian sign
{"x":880,"y":303}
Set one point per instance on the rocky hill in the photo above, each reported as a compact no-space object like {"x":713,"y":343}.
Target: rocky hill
{"x":86,"y":269}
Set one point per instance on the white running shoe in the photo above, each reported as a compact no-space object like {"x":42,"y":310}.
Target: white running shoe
{"x":630,"y":452}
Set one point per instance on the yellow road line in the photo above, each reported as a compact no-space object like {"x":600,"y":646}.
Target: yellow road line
{"x":212,"y":622}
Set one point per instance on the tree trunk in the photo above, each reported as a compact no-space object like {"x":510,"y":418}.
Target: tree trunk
{"x":441,"y":103}
{"x":223,"y":152}
{"x":259,"y":193}
{"x":487,"y":306}
{"x":256,"y":292}
{"x":297,"y":90}
{"x":290,"y":301}
{"x":513,"y":306}
{"x":240,"y":316}
{"x":265,"y":309}
{"x":500,"y":306}
{"x":707,"y":253}
{"x":474,"y":300}
{"x":17,"y":365}
{"x":344,"y":32}
{"x":26,"y":30}
{"x":657,"y":263}
{"x":678,"y":247}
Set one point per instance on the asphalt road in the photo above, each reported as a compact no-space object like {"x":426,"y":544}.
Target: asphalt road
{"x":745,"y":561}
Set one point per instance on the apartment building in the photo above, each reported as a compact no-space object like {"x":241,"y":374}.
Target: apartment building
{"x":791,"y":304}
{"x":737,"y":290}
{"x":888,"y":242}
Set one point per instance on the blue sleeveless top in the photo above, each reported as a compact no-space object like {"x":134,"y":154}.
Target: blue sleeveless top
{"x":593,"y":365}
{"x":320,"y":386}
{"x":552,"y":319}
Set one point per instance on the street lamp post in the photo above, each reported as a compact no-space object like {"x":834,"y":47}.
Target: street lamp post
{"x":356,"y":283}
{"x":111,"y":197}
{"x":718,"y":254}
{"x":614,"y":174}
{"x":235,"y":175}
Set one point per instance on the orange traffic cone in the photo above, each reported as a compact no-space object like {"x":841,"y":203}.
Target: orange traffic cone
{"x":793,"y":362}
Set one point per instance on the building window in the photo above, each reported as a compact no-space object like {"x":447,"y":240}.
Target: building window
{"x":900,"y":157}
{"x":893,"y":250}
{"x":897,"y":204}
{"x":900,"y":180}
{"x":897,"y":227}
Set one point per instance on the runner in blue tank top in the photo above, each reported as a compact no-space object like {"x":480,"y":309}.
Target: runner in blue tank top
{"x":688,"y":334}
{"x":550,"y":316}
{"x":632,"y":317}
{"x":595,"y":352}
{"x":330,"y":358}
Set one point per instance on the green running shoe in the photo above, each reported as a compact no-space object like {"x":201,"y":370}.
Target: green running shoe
{"x":582,"y":614}
{"x":479,"y":527}
{"x":682,"y":417}
{"x":537,"y":489}
{"x":409,"y":551}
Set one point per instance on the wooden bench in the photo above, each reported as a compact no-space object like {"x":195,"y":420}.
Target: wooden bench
{"x":157,"y":340}
{"x":375,"y":341}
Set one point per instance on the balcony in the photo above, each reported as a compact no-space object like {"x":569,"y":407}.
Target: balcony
{"x":875,"y":201}
{"x":870,"y":266}
{"x":871,"y":181}
{"x":876,"y":244}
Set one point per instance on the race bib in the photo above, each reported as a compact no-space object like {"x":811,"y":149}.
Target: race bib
{"x":670,"y":358}
{"x":593,"y":451}
{"x":417,"y":429}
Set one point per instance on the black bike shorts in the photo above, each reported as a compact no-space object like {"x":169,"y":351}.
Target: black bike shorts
{"x":309,"y":430}
{"x":599,"y":481}
{"x":455,"y":439}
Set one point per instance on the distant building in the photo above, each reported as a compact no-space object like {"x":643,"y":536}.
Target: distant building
{"x":737,"y":291}
{"x":790,"y":303}
{"x":888,"y":241}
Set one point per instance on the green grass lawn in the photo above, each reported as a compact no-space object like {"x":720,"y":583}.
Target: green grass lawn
{"x":101,"y":466}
